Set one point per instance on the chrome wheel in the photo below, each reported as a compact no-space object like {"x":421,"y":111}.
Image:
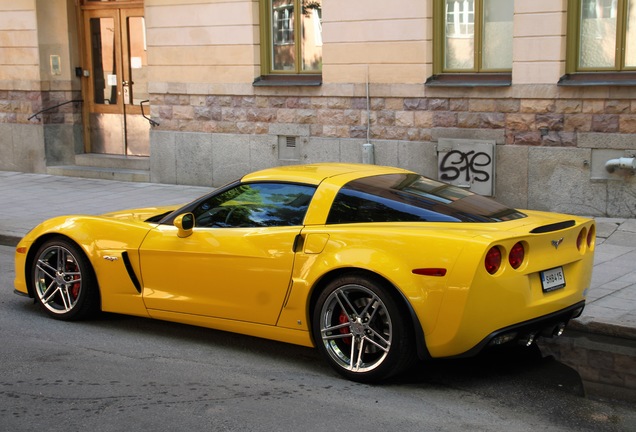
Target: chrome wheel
{"x":355,"y":328}
{"x":63,"y":280}
{"x":360,"y":329}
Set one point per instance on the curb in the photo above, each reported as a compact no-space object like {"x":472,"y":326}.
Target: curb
{"x":9,"y":240}
{"x":602,"y":329}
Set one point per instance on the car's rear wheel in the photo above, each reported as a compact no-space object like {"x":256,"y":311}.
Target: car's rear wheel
{"x":360,"y":330}
{"x":64,"y":282}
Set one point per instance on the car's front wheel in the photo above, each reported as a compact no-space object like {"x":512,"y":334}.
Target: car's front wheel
{"x":360,"y":330}
{"x":64,"y":283}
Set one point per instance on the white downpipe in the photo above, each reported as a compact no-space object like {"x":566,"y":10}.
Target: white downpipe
{"x":628,"y":163}
{"x":368,"y":156}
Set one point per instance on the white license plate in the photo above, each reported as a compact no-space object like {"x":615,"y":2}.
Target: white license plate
{"x":552,"y":279}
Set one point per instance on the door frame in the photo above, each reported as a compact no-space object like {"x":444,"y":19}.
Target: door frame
{"x":119,"y":10}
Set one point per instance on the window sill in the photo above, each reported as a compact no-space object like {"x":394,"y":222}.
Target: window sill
{"x":470,"y":80}
{"x":288,"y":80}
{"x":598,"y":79}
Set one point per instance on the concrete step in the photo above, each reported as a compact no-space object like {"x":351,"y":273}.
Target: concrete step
{"x":113,"y":161}
{"x":104,"y":173}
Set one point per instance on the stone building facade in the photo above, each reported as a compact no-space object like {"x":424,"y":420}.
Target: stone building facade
{"x":216,"y":116}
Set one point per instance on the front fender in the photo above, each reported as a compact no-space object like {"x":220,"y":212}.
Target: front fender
{"x":105,"y":241}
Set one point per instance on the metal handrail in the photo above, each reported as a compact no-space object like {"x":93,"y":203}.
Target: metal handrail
{"x":152,"y":122}
{"x":55,"y":106}
{"x":141,"y":104}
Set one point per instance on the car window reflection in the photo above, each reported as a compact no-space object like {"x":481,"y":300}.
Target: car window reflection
{"x":255,"y":205}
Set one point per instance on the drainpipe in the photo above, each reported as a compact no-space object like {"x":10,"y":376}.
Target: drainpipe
{"x":627,"y":163}
{"x":368,"y":156}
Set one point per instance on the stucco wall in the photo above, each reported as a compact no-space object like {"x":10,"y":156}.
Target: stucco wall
{"x":202,"y":42}
{"x":19,"y":67}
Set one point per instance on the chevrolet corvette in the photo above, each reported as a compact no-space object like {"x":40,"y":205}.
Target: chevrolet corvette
{"x":376,"y":267}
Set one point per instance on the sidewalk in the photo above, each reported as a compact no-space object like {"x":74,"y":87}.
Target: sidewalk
{"x":28,"y":199}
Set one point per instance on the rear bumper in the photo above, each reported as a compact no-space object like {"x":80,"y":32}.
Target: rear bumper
{"x":526,"y":332}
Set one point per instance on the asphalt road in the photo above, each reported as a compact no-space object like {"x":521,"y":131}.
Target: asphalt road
{"x":121,"y":373}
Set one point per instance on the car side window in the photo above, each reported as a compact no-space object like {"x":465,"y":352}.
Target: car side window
{"x":255,"y":205}
{"x":352,"y":206}
{"x":413,"y":198}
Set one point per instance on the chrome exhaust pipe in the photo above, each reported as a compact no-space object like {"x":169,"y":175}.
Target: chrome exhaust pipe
{"x":528,"y":339}
{"x":558,"y":330}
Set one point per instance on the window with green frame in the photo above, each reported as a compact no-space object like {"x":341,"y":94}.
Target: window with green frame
{"x":473,"y":36}
{"x":291,"y":32}
{"x":601,"y":36}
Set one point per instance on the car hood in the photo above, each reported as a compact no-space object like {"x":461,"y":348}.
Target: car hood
{"x":141,"y":214}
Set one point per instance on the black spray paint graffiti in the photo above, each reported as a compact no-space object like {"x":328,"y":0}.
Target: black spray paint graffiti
{"x":455,"y":161}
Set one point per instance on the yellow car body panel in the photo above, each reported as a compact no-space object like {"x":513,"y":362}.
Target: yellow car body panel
{"x":118,"y":294}
{"x":477,"y":303}
{"x":260,"y":281}
{"x":240,"y":273}
{"x":316,"y":173}
{"x":450,"y":309}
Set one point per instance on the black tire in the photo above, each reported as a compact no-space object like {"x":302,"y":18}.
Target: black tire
{"x":64,"y":282}
{"x":361,"y":330}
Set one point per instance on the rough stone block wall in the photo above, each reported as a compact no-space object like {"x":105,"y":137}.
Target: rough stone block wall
{"x":16,"y":106}
{"x":534,"y":122}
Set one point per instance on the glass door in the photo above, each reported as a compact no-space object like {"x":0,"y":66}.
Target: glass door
{"x":116,"y":56}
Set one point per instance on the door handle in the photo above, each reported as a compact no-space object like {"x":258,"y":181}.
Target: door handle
{"x":127,"y":83}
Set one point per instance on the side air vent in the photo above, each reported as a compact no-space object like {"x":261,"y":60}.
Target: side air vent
{"x":553,"y":227}
{"x":131,"y":272}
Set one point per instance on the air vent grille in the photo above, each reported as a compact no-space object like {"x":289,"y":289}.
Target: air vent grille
{"x":288,"y":148}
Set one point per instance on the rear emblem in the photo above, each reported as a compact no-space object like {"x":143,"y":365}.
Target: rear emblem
{"x":557,"y":243}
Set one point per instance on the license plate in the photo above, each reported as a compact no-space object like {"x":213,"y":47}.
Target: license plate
{"x":552,"y":279}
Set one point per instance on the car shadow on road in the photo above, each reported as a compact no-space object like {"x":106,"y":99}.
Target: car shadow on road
{"x":515,"y":367}
{"x":522,"y":366}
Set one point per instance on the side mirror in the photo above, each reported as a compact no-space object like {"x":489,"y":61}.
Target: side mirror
{"x":184,"y":223}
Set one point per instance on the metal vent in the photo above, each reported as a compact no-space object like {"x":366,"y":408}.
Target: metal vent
{"x":288,"y":148}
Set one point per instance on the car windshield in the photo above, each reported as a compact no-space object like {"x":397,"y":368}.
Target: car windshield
{"x":413,"y":198}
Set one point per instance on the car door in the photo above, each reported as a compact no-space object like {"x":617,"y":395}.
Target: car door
{"x":237,"y":262}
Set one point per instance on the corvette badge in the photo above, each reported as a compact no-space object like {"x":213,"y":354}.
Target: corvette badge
{"x":557,"y":243}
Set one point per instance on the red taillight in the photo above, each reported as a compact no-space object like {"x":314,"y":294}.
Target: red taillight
{"x":517,"y":253}
{"x":493,"y":260}
{"x":580,"y":239}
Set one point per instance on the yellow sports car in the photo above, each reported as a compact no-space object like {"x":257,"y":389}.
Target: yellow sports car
{"x":375,"y":266}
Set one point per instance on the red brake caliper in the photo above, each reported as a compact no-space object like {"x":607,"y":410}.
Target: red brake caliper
{"x":344,"y":319}
{"x":76,"y":286}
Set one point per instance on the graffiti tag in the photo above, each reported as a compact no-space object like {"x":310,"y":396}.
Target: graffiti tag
{"x":457,"y":162}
